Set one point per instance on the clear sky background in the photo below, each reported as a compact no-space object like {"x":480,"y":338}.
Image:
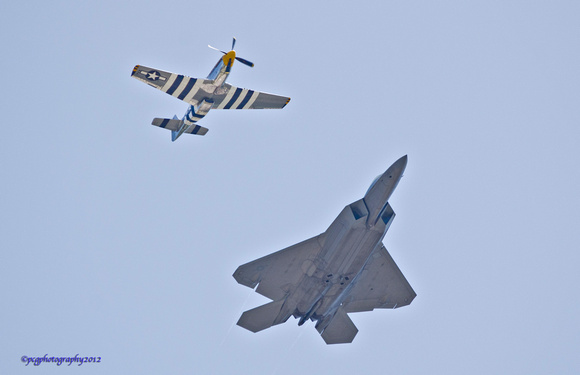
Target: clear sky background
{"x":116,"y":242}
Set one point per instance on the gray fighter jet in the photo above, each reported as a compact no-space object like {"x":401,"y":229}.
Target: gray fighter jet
{"x":345,"y":269}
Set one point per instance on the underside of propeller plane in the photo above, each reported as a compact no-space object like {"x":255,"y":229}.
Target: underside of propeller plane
{"x":202,"y":95}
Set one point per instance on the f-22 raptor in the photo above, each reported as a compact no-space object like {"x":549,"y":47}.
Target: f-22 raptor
{"x":343,"y":270}
{"x":205,"y":94}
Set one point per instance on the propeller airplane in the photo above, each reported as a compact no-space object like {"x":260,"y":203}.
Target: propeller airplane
{"x":205,"y":94}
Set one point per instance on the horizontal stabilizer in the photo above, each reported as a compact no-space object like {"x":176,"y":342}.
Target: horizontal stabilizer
{"x":341,"y":329}
{"x":175,"y":125}
{"x":262,"y":317}
{"x":196,"y":129}
{"x":166,"y":123}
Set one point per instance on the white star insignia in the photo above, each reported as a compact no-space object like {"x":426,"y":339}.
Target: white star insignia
{"x":153,"y":75}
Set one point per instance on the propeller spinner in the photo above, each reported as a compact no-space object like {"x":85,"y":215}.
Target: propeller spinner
{"x":243,"y":61}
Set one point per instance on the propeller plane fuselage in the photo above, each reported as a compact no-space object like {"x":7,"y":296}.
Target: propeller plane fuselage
{"x":222,"y":68}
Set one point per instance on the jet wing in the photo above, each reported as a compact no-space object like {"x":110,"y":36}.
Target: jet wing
{"x":190,"y":90}
{"x":278,"y":270}
{"x":380,"y":285}
{"x":238,"y":98}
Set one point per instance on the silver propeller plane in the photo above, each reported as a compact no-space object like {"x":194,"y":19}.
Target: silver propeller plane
{"x":343,"y":270}
{"x":205,"y":94}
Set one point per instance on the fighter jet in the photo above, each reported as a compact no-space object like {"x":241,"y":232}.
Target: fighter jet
{"x":205,"y":94}
{"x":343,"y":270}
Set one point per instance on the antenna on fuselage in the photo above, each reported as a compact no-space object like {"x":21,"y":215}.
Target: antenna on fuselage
{"x":243,"y":61}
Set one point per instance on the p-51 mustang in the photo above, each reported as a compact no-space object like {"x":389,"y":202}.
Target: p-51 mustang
{"x":205,"y":94}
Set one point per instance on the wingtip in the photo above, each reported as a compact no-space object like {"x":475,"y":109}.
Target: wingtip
{"x":134,"y":70}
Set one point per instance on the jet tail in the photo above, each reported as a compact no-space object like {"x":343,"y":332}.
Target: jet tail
{"x":264,"y":316}
{"x":340,"y":330}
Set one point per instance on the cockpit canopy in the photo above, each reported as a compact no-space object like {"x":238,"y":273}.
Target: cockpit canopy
{"x":373,"y":183}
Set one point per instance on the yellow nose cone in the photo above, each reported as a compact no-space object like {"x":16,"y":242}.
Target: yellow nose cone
{"x":230,"y":56}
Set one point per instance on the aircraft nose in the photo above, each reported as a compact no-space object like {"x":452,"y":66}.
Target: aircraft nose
{"x":229,"y":56}
{"x":401,"y":163}
{"x":396,"y":170}
{"x":380,"y":191}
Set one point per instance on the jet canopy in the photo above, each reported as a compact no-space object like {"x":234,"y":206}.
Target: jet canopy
{"x":373,"y":183}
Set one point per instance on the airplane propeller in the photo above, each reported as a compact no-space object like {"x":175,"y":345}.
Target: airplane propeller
{"x":243,"y":61}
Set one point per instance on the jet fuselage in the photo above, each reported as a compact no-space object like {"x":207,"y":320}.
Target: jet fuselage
{"x":349,"y":241}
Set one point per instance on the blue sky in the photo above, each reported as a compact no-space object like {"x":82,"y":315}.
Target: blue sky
{"x":118,"y":243}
